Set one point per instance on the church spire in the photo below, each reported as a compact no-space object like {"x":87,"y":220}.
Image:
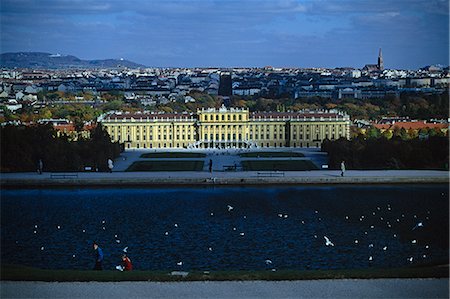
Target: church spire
{"x":380,"y":61}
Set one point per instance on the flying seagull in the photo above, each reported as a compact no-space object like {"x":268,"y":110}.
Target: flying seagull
{"x":327,"y":241}
{"x":125,"y":249}
{"x":179,"y":263}
{"x":230,"y":208}
{"x":420,"y":224}
{"x":268,"y":262}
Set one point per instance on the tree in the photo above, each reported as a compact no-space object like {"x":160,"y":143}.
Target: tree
{"x":387,"y":134}
{"x":373,"y":133}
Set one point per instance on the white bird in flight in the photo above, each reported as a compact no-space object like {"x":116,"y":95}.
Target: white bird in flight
{"x":230,"y":208}
{"x":327,"y":241}
{"x":370,"y":258}
{"x":176,"y":225}
{"x":385,"y":248}
{"x":268,"y":262}
{"x":125,"y":249}
{"x":179,"y":263}
{"x":420,"y":224}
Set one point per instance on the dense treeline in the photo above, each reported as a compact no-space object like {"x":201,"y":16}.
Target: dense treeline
{"x":413,"y":105}
{"x":383,"y":153}
{"x":23,"y":146}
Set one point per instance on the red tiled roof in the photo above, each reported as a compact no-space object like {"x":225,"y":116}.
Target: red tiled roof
{"x":71,"y":127}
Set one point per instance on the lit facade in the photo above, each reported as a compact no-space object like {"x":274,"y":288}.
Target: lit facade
{"x":226,"y":128}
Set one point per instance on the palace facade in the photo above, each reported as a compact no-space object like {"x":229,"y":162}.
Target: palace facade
{"x":226,"y":128}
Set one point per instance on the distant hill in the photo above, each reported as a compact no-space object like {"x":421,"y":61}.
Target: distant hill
{"x":40,"y":60}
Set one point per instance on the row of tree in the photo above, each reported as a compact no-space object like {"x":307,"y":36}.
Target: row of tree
{"x":383,"y":153}
{"x":397,"y":132}
{"x":23,"y":146}
{"x":412,"y":104}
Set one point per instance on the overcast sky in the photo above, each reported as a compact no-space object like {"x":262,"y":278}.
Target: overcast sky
{"x":282,"y":33}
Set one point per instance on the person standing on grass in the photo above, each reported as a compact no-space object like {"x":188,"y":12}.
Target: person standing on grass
{"x":210,"y":166}
{"x":342,"y":168}
{"x":110,"y":165}
{"x":98,"y":257}
{"x":126,"y":263}
{"x":40,"y":166}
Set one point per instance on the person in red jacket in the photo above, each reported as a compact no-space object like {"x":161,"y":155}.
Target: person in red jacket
{"x":126,"y":262}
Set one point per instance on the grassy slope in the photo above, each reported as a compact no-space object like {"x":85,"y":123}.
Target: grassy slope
{"x":271,"y":154}
{"x":173,"y":155}
{"x":166,"y":166}
{"x":20,"y":273}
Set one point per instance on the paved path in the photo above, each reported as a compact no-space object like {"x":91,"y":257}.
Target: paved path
{"x":226,"y":178}
{"x":376,"y":288}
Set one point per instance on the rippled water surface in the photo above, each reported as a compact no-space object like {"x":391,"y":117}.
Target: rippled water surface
{"x":54,"y":228}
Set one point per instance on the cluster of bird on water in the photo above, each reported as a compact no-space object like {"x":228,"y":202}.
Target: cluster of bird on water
{"x":268,"y":262}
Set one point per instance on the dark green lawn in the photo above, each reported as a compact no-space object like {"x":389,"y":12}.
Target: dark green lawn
{"x":166,"y":166}
{"x":173,"y":155}
{"x":282,"y":165}
{"x":271,"y":154}
{"x":20,"y":273}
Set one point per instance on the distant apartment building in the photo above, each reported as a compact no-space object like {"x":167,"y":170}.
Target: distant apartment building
{"x":226,"y":128}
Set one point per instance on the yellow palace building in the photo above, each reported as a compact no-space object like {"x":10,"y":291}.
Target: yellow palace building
{"x":226,"y":128}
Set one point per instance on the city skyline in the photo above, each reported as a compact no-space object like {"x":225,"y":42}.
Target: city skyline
{"x":247,"y":33}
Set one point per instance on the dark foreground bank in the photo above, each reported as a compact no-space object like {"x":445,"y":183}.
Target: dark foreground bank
{"x":22,"y":273}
